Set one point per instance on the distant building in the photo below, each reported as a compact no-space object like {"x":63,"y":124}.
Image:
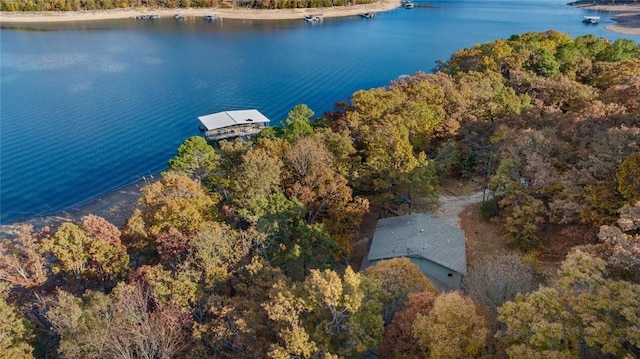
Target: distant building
{"x":434,"y":246}
{"x":229,"y":124}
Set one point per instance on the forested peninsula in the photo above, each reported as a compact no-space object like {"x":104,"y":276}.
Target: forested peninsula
{"x":246,"y":249}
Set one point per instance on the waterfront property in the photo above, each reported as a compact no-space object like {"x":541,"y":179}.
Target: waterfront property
{"x":230,"y":124}
{"x":437,"y":248}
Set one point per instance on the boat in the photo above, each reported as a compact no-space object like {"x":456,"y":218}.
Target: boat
{"x":179,"y":16}
{"x":146,"y":17}
{"x":408,"y":5}
{"x":591,"y":19}
{"x":313,"y":17}
{"x":210,"y":17}
{"x":368,"y":15}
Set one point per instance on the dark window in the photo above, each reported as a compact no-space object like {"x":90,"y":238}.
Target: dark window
{"x":450,"y":275}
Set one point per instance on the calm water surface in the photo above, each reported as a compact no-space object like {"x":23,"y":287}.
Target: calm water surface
{"x":86,"y":108}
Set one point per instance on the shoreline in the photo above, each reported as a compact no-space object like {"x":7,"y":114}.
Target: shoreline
{"x":115,"y":206}
{"x":627,"y":16}
{"x":233,"y":13}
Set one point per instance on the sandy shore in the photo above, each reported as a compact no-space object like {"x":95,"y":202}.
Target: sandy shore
{"x":116,"y":207}
{"x":233,"y":13}
{"x":627,"y":18}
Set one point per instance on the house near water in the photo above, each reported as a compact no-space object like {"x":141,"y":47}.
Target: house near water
{"x":436,"y":247}
{"x":230,"y":124}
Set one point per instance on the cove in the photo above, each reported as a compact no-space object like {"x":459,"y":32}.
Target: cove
{"x":89,"y":107}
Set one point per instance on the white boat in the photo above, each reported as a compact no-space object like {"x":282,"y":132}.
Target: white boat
{"x":313,"y":17}
{"x":408,"y":5}
{"x":209,"y":18}
{"x":591,"y":19}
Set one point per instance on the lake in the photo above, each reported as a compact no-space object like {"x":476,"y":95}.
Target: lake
{"x":90,"y":107}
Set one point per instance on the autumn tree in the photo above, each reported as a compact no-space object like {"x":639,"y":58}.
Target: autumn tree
{"x":21,"y":262}
{"x":608,"y":310}
{"x":237,"y":325}
{"x":325,"y":316}
{"x":523,"y":213}
{"x":176,"y":201}
{"x":92,"y":250}
{"x":583,"y":312}
{"x":397,"y":278}
{"x":538,"y":325}
{"x":452,"y":329}
{"x":257,"y":179}
{"x":398,"y":340}
{"x":15,"y":331}
{"x":312,"y":178}
{"x":628,"y":177}
{"x":124,"y":324}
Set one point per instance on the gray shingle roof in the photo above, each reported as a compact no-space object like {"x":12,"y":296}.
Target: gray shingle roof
{"x":419,"y":235}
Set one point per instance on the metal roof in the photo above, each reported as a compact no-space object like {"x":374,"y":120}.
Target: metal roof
{"x":231,"y":118}
{"x":419,"y":236}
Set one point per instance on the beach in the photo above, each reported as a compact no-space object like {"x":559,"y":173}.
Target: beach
{"x":627,"y":16}
{"x":231,"y":13}
{"x":115,"y":206}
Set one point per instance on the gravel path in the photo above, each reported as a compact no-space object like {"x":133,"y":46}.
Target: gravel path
{"x":451,"y":206}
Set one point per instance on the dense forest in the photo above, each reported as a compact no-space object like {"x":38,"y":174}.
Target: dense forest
{"x":77,"y":5}
{"x":241,"y":250}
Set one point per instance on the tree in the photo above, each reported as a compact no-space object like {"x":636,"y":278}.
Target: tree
{"x":397,"y":277}
{"x":325,"y":316}
{"x":628,"y":177}
{"x":398,"y":341}
{"x":21,"y":260}
{"x":69,"y":245}
{"x":298,"y":123}
{"x":311,"y":176}
{"x":15,"y":331}
{"x":126,"y":324}
{"x":257,"y":178}
{"x":176,"y":201}
{"x":92,"y":250}
{"x":523,"y":213}
{"x":607,"y":310}
{"x":497,"y":279}
{"x":197,"y":159}
{"x":538,"y":326}
{"x":452,"y":329}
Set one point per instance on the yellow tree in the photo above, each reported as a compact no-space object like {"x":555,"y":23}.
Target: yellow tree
{"x":452,"y":329}
{"x":538,"y":326}
{"x":15,"y":331}
{"x":326,"y":315}
{"x":397,"y":278}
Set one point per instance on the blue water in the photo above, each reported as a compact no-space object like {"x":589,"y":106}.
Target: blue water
{"x":90,"y":107}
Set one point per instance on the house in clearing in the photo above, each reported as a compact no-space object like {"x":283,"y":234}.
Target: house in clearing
{"x":436,"y":247}
{"x":228,"y":124}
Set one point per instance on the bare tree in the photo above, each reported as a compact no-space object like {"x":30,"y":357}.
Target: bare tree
{"x":497,"y":279}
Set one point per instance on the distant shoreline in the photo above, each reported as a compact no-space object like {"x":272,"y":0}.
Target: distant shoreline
{"x":627,"y":16}
{"x":233,"y":13}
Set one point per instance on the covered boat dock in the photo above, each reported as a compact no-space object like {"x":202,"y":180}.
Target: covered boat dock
{"x":228,"y":124}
